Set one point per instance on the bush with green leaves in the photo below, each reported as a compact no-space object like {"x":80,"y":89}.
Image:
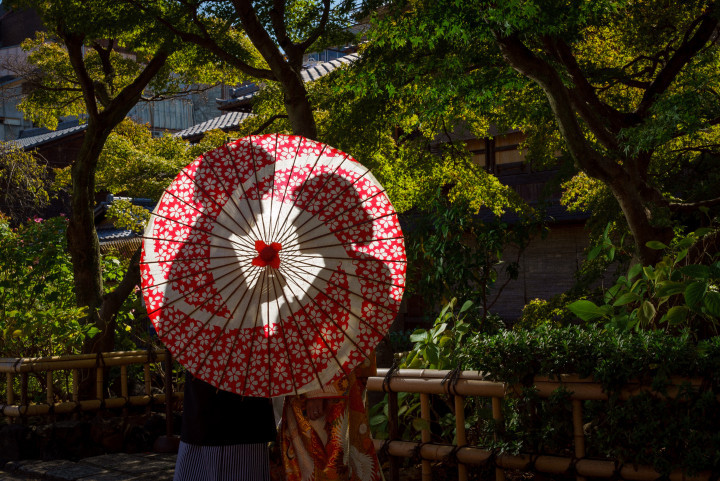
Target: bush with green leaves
{"x":674,"y":293}
{"x":38,"y":314}
{"x":649,"y":429}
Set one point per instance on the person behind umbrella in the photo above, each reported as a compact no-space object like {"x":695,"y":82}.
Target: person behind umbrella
{"x":324,"y":434}
{"x":224,"y":435}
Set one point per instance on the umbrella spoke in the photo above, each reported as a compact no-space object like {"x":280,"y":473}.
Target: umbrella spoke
{"x":332,"y":233}
{"x":171,"y":219}
{"x":209,"y":196}
{"x":298,"y":193}
{"x":318,"y":331}
{"x":357,"y":276}
{"x":335,"y":196}
{"x":287,"y":185}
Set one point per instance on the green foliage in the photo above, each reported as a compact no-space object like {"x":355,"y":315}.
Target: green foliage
{"x":646,"y":429}
{"x":436,"y":347}
{"x":24,"y":183}
{"x":38,"y":315}
{"x":671,"y":294}
{"x":452,"y":253}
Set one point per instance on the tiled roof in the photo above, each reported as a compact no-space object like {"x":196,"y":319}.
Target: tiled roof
{"x":223,"y":122}
{"x":308,"y":74}
{"x":48,"y":136}
{"x":320,"y":70}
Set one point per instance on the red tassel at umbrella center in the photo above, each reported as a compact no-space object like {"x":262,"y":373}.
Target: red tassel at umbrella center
{"x":267,"y":254}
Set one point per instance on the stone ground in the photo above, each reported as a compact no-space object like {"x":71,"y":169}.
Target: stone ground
{"x":107,"y":467}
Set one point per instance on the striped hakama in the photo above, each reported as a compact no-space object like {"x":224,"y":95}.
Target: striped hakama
{"x":237,"y":462}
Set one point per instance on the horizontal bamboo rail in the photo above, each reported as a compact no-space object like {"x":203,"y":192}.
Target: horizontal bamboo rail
{"x":98,"y":362}
{"x":472,"y":383}
{"x":472,"y":455}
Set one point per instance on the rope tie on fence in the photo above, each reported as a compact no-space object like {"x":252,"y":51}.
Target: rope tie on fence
{"x":572,"y":468}
{"x":388,"y":377}
{"x":451,"y":457}
{"x":452,"y":379}
{"x":416,"y":456}
{"x":616,"y":471}
{"x":531,"y":464}
{"x":384,"y":449}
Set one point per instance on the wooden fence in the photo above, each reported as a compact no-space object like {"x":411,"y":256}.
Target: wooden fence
{"x":425,"y":382}
{"x":24,"y":403}
{"x":472,"y":383}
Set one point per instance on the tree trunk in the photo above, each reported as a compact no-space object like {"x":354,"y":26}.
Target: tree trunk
{"x":639,"y":217}
{"x":82,"y":238}
{"x":297,"y":105}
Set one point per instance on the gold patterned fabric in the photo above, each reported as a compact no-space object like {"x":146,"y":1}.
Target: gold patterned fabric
{"x":337,"y":446}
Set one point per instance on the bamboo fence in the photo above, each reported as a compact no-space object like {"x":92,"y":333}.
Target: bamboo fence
{"x":471,"y":383}
{"x":19,"y":405}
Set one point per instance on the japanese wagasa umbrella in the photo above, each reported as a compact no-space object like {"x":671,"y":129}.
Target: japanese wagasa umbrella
{"x":273,"y":265}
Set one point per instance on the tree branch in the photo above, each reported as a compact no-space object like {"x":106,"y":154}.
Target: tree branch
{"x":312,"y":38}
{"x":528,"y":64}
{"x":206,"y":41}
{"x":692,"y":206}
{"x":74,"y":46}
{"x":684,"y":54}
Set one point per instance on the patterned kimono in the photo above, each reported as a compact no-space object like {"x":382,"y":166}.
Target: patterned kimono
{"x":337,"y":446}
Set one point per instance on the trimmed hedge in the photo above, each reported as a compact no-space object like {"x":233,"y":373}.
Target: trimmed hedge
{"x":664,"y":433}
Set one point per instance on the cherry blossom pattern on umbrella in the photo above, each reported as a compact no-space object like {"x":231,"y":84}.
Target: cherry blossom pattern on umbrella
{"x":273,"y":265}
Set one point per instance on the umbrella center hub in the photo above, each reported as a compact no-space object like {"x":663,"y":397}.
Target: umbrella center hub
{"x":268,"y":254}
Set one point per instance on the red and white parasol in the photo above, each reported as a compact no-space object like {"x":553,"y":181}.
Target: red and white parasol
{"x":273,"y":265}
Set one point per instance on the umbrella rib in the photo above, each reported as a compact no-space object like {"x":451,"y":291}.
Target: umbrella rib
{"x":225,"y":188}
{"x":185,"y":259}
{"x":282,"y":330}
{"x":252,"y":342}
{"x":370,"y":259}
{"x":370,"y":241}
{"x":166,"y":281}
{"x":326,"y":221}
{"x":272,"y":191}
{"x":317,"y":330}
{"x":206,"y":216}
{"x":213,"y":314}
{"x":295,"y":261}
{"x":341,"y":287}
{"x":197,"y":288}
{"x":196,"y":228}
{"x":257,"y":184}
{"x":301,"y":189}
{"x":212,"y":198}
{"x":287,"y":185}
{"x":332,"y":233}
{"x":162,"y":239}
{"x":295,"y":321}
{"x":286,"y":232}
{"x":261,"y":272}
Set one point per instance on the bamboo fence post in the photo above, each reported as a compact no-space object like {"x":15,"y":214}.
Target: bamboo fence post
{"x":24,"y":400}
{"x":460,"y":433}
{"x":393,"y":433}
{"x":148,"y":385}
{"x":578,"y":432}
{"x":99,"y":380}
{"x":168,"y":394}
{"x":10,"y":393}
{"x":124,"y":387}
{"x":425,"y":432}
{"x":50,"y":388}
{"x":76,"y":389}
{"x":498,"y":417}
